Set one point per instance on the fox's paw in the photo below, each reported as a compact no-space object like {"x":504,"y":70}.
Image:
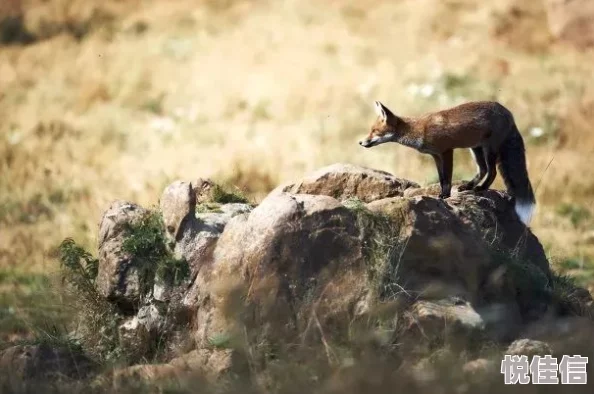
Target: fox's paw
{"x":465,"y":186}
{"x":479,"y":188}
{"x":443,"y":196}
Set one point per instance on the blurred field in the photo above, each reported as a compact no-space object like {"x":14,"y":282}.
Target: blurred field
{"x":104,"y":100}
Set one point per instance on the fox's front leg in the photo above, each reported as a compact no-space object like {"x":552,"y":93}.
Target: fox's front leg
{"x":444,"y":163}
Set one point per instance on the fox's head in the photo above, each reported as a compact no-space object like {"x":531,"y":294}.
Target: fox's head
{"x":384,"y":129}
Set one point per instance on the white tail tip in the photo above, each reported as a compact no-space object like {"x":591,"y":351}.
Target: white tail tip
{"x":524,"y":211}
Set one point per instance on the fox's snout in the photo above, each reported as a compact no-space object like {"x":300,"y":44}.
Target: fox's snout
{"x":375,"y":140}
{"x":366,"y":143}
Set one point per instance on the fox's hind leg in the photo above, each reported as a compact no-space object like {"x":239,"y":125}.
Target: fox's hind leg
{"x":481,"y":169}
{"x":491,"y":161}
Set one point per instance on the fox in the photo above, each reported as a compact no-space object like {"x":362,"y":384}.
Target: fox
{"x":486,"y":128}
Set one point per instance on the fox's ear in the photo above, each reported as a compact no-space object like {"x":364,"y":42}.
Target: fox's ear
{"x":382,"y":111}
{"x":379,"y":110}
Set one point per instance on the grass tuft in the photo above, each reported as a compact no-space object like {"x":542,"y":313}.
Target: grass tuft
{"x":147,"y":243}
{"x":222,"y":195}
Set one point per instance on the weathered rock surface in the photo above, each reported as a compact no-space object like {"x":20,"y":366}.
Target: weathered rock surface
{"x":343,"y":181}
{"x":529,"y":348}
{"x":448,"y":320}
{"x":282,"y":251}
{"x":335,"y":247}
{"x":207,"y":364}
{"x":177,"y":203}
{"x":118,"y":280}
{"x":213,"y":363}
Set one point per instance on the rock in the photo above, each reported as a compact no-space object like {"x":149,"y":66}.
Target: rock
{"x":430,"y":190}
{"x":139,"y":334}
{"x":202,"y":189}
{"x":571,"y":21}
{"x":210,"y":365}
{"x":529,"y":348}
{"x":177,"y":203}
{"x":310,"y":260}
{"x":218,"y":220}
{"x":443,"y":321}
{"x":343,"y":181}
{"x":198,"y":238}
{"x":283,"y":250}
{"x":437,"y":252}
{"x":462,"y":246}
{"x":142,"y":375}
{"x":491,"y":214}
{"x":44,"y":361}
{"x":195,"y":234}
{"x":118,"y":279}
{"x":213,"y":363}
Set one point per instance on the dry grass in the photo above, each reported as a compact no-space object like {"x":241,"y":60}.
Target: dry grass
{"x":116,"y":99}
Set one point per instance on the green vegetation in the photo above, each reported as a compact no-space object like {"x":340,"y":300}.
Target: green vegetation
{"x":383,"y":247}
{"x":28,"y":307}
{"x":208,"y":208}
{"x":220,"y":341}
{"x":96,"y":319}
{"x":575,"y":213}
{"x":147,"y":243}
{"x":222,"y":195}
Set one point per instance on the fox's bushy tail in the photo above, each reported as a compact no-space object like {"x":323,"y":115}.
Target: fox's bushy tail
{"x":512,"y":166}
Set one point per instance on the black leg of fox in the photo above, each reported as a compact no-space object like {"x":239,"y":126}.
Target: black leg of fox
{"x":444,"y":163}
{"x":491,"y":159}
{"x":439,"y":165}
{"x":481,"y":163}
{"x":448,"y":169}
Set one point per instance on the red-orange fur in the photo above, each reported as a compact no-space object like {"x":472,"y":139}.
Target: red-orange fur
{"x":485,"y":127}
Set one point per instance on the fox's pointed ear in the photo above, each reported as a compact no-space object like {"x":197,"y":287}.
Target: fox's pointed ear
{"x":381,"y":110}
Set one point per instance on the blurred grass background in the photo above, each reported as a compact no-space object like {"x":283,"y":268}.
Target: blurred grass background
{"x":104,"y":100}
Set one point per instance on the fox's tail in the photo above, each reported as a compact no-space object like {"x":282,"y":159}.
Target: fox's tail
{"x":512,"y":166}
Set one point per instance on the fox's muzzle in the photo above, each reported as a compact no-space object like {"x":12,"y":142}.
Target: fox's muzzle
{"x":369,"y":142}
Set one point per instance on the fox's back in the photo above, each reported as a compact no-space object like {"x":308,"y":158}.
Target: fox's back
{"x":466,"y":125}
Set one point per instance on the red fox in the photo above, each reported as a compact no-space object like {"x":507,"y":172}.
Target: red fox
{"x":487,"y":128}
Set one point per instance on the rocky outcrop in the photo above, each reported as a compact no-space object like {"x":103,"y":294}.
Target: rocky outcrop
{"x":344,"y":246}
{"x":343,"y":181}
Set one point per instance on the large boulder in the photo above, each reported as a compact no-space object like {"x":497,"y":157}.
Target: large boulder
{"x":343,"y":181}
{"x":296,"y":251}
{"x":344,"y":247}
{"x":279,"y":255}
{"x":436,"y":251}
